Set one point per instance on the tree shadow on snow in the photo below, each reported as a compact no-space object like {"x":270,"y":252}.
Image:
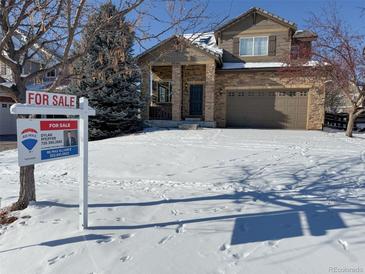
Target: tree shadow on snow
{"x":65,"y":241}
{"x":314,"y":201}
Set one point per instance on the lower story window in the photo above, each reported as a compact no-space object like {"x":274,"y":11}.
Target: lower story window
{"x":164,"y":92}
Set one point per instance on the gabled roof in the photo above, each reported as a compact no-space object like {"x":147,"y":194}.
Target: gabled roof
{"x":262,"y":12}
{"x":40,"y":51}
{"x":202,"y":41}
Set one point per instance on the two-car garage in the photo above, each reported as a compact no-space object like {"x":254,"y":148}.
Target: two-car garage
{"x":267,"y":109}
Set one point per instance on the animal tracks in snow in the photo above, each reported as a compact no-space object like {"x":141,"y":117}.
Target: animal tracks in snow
{"x":180,"y":228}
{"x":166,"y":239}
{"x":105,"y":241}
{"x":126,"y":258}
{"x":58,"y":258}
{"x":343,"y":243}
{"x":126,"y":236}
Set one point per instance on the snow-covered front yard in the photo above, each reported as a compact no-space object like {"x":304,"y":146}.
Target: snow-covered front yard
{"x":205,"y":201}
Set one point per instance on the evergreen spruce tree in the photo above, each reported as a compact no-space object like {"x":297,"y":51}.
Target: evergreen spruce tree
{"x":107,"y":75}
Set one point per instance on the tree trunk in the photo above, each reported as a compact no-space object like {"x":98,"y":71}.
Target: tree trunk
{"x":26,"y":174}
{"x":27,"y":188}
{"x":350,"y":124}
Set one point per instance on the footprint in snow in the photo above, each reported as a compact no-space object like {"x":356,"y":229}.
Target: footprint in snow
{"x":57,"y":258}
{"x":344,"y":244}
{"x":224,"y":247}
{"x":165,"y":239}
{"x":126,"y":258}
{"x":126,"y":236}
{"x":274,"y":244}
{"x":105,"y":241}
{"x":180,"y":228}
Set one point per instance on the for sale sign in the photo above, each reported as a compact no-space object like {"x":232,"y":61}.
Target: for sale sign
{"x":41,"y":140}
{"x":41,"y":98}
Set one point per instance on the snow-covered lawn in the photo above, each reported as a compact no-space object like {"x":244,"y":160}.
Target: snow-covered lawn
{"x":205,"y":201}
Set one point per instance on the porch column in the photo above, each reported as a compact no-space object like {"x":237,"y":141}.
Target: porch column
{"x":176,"y":92}
{"x":145,"y":91}
{"x":209,"y":92}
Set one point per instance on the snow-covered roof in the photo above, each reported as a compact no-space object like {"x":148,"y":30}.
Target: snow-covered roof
{"x":249,"y":65}
{"x":255,"y":65}
{"x":39,"y":87}
{"x":304,"y":34}
{"x":205,"y":41}
{"x":40,"y":54}
{"x":34,"y":87}
{"x":7,"y":84}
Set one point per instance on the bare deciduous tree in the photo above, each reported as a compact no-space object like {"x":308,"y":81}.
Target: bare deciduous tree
{"x":338,"y":56}
{"x":50,"y":28}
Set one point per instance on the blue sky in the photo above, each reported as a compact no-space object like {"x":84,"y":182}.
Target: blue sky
{"x":294,"y":10}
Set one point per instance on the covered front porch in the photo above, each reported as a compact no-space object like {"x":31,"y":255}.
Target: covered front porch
{"x":181,"y":93}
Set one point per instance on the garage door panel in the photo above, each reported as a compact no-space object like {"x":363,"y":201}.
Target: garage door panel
{"x":267,"y":109}
{"x":7,"y":120}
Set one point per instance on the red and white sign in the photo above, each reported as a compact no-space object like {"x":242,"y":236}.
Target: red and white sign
{"x":41,"y":98}
{"x":58,"y":125}
{"x":42,"y":140}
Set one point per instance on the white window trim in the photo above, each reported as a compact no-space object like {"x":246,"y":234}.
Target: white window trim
{"x":51,"y":77}
{"x":253,"y":45}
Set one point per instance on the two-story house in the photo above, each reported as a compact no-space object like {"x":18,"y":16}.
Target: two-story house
{"x":39,"y":60}
{"x":233,"y":77}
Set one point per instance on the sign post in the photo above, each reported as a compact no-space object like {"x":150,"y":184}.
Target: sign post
{"x":41,"y":140}
{"x":84,"y":137}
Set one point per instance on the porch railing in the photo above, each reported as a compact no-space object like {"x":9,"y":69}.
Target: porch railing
{"x":161,"y":112}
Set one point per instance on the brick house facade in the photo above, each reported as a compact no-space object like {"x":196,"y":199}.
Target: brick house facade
{"x":232,"y":77}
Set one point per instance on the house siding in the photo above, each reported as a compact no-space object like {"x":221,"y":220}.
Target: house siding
{"x":246,"y":28}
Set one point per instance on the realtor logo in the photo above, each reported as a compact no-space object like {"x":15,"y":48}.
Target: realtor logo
{"x":29,"y":138}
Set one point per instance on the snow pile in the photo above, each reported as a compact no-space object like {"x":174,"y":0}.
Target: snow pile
{"x":253,"y":65}
{"x":203,"y":201}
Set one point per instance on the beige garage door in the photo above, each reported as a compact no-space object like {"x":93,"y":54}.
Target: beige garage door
{"x":267,"y":109}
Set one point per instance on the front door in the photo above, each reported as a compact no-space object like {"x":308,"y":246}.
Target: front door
{"x":196,"y":100}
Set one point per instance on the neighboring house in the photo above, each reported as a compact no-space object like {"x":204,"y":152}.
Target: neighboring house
{"x":39,"y":60}
{"x":232,"y":77}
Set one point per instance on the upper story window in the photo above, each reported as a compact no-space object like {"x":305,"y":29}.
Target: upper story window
{"x":51,"y":74}
{"x":254,"y":46}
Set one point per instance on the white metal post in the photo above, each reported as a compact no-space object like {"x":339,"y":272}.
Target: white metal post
{"x":84,"y":136}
